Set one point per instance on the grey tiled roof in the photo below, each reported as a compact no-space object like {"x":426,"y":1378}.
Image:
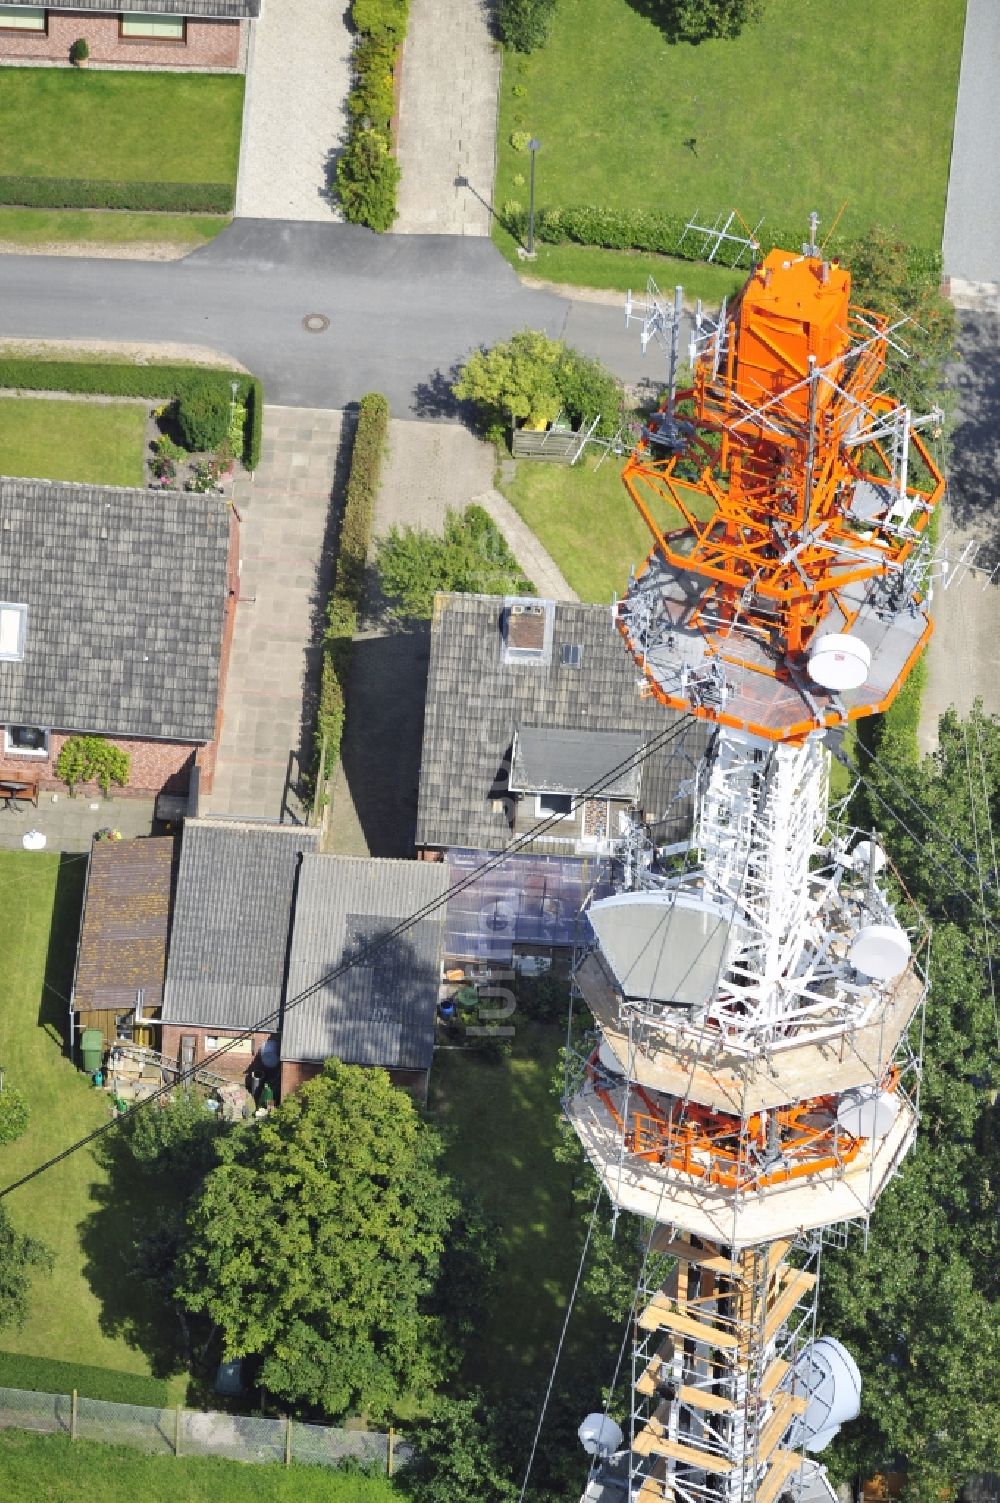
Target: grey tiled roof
{"x":126,"y":596}
{"x":232,"y":915}
{"x":379,"y":1012}
{"x":200,"y":10}
{"x":549,"y":760}
{"x":475,"y":701}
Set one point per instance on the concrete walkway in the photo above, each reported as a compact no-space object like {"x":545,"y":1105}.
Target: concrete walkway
{"x":268,"y":712}
{"x":68,"y":824}
{"x":447,"y":119}
{"x":972,"y":219}
{"x":298,"y":77}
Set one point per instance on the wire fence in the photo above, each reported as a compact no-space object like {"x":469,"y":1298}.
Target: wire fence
{"x":191,"y":1432}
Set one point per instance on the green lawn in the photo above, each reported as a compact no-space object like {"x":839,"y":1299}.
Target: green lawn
{"x":618,"y":271}
{"x":814,"y":106}
{"x":96,"y":442}
{"x":146,"y":127}
{"x":112,"y":226}
{"x":54,"y":1469}
{"x":88,"y":1311}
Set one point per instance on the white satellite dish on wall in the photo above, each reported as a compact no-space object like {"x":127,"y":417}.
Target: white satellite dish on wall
{"x":600,"y":1436}
{"x":880,"y":951}
{"x":828,"y":1376}
{"x":839,"y":661}
{"x":867,"y":1113}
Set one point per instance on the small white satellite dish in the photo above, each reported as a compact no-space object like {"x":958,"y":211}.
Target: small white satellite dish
{"x":828,"y":1376}
{"x":880,"y":951}
{"x":608,"y":1059}
{"x":867,"y":856}
{"x":600,"y":1436}
{"x":839,"y":661}
{"x":867,"y":1113}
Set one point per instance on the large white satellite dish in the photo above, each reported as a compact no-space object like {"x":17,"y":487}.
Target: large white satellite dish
{"x":867,"y":1113}
{"x":600,"y":1436}
{"x":828,"y":1375}
{"x":839,"y":661}
{"x":880,"y":951}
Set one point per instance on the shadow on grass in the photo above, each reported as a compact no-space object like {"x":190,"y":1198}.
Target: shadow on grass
{"x":60,"y":959}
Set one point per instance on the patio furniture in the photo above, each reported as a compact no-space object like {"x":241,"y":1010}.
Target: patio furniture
{"x":15,"y":791}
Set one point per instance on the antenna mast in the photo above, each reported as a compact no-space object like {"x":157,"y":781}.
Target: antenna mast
{"x":753,"y":1085}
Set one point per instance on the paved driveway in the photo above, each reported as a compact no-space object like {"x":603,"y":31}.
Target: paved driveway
{"x":972,"y":219}
{"x":286,"y":548}
{"x":447,"y":119}
{"x":297,"y":80}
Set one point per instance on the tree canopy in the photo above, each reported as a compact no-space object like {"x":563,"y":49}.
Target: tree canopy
{"x":703,"y":20}
{"x":21,"y":1256}
{"x":315,"y":1244}
{"x":533,"y":377}
{"x":470,"y":556}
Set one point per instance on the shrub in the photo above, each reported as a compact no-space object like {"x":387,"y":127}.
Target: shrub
{"x":14,"y":1114}
{"x":86,"y":759}
{"x":384,"y":19}
{"x":94,"y":193}
{"x":203,"y":418}
{"x":471,"y":557}
{"x":345,"y":598}
{"x":367,"y":179}
{"x":519,"y":139}
{"x":79,"y":51}
{"x":167,"y":449}
{"x":122,"y":380}
{"x":524,"y":24}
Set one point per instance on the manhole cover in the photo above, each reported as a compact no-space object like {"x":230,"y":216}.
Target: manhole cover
{"x":315,"y":323}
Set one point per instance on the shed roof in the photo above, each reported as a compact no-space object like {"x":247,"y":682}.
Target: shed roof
{"x":549,"y":760}
{"x":232,"y":918}
{"x":202,"y":10}
{"x":381,"y":1010}
{"x":126,"y":917}
{"x":477,"y":696}
{"x":125,"y":594}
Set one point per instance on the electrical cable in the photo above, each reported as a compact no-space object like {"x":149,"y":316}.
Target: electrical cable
{"x":364,"y":956}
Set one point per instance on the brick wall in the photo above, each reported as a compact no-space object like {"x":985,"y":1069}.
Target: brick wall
{"x":295,"y":1072}
{"x":154,"y":766}
{"x":209,"y":44}
{"x":234,"y":1066}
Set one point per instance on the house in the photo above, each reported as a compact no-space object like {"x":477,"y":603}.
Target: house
{"x":122,"y":953}
{"x":230,"y":936}
{"x":117,"y":610}
{"x":160,"y":34}
{"x":369,"y":994}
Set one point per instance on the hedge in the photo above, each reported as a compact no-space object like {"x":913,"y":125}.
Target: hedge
{"x":345,"y":598}
{"x":96,"y":193}
{"x":367,"y":172}
{"x":49,"y":1375}
{"x":665,"y":234}
{"x":123,"y":380}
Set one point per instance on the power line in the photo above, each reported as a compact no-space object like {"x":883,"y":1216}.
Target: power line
{"x":364,"y":956}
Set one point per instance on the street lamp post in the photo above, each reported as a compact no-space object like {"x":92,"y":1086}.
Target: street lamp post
{"x":533,"y":146}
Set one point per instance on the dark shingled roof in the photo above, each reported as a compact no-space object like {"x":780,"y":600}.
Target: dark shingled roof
{"x":197,"y":10}
{"x":232,"y":916}
{"x":380,"y":1012}
{"x":126,"y":916}
{"x":475,"y":701}
{"x":126,"y":594}
{"x":556,"y":761}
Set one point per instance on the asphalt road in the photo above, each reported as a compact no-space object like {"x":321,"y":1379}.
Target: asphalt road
{"x":971,"y":249}
{"x":403,"y":310}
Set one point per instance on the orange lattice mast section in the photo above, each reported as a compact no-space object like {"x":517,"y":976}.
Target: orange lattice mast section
{"x":793,"y":515}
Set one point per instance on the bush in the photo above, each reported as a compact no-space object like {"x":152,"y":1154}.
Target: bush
{"x":383,"y":19}
{"x":92,"y":759}
{"x":470,"y":558}
{"x":173,"y":382}
{"x":367,"y":179}
{"x":345,"y":598}
{"x":524,"y":24}
{"x":203,"y":417}
{"x":79,"y":50}
{"x":97,"y":193}
{"x":14,"y":1114}
{"x":533,"y":377}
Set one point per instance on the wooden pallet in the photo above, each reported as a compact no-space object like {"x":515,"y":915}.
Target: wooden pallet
{"x":786,"y":1407}
{"x":661,"y":1315}
{"x":651,"y":1441}
{"x":798,"y":1284}
{"x":783,"y":1465}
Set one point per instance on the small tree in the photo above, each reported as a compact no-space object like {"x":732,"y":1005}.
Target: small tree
{"x":177,"y":1136}
{"x":470,"y":558}
{"x":702,"y":20}
{"x":85,"y":759}
{"x":455,"y":1457}
{"x":203,"y":418}
{"x":79,"y":51}
{"x":20,"y":1257}
{"x":14,"y":1114}
{"x":524,"y":24}
{"x":367,"y":179}
{"x":514,"y":379}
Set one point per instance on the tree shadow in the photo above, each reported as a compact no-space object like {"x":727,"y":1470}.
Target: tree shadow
{"x":975,"y":457}
{"x":434,"y":398}
{"x":60,"y":959}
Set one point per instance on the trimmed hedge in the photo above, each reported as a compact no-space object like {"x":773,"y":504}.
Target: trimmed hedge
{"x":367,"y":172}
{"x":123,"y":380}
{"x":96,"y":193}
{"x":345,"y":598}
{"x":49,"y":1375}
{"x":664,"y":234}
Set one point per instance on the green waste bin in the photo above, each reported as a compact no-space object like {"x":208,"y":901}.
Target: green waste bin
{"x":91,"y":1049}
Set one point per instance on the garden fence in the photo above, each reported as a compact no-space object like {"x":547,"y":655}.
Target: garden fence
{"x":191,"y":1432}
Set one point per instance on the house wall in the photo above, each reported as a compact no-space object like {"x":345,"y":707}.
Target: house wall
{"x":295,"y":1072}
{"x":154,"y":766}
{"x":206,"y":758}
{"x":208,"y":44}
{"x":234,"y":1065}
{"x":106,"y":1019}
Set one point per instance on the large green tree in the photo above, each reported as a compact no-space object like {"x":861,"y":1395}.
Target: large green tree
{"x":533,"y":377}
{"x":316,"y":1242}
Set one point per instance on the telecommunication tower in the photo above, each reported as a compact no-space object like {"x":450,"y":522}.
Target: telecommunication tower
{"x":754,"y":1081}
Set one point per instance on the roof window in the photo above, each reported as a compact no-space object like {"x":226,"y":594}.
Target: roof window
{"x":13,"y":629}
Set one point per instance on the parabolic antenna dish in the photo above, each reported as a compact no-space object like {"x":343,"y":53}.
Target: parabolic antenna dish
{"x":867,"y":856}
{"x":839,"y":661}
{"x":600,"y":1436}
{"x":828,"y":1373}
{"x":867,"y":1113}
{"x":880,"y":951}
